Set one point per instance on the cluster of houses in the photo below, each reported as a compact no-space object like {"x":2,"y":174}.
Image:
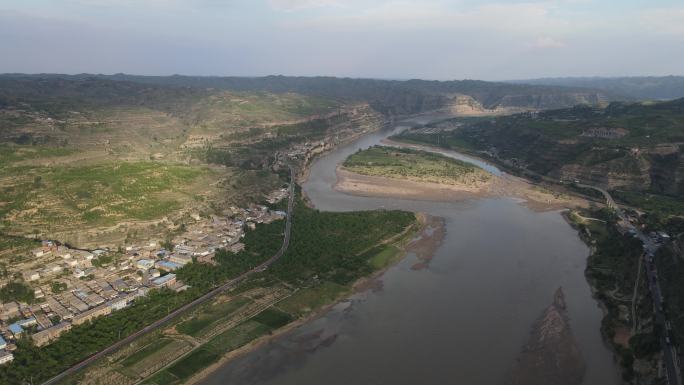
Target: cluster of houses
{"x":72,"y":286}
{"x":306,"y":151}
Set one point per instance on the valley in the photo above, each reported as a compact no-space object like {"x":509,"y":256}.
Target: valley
{"x":137,"y":169}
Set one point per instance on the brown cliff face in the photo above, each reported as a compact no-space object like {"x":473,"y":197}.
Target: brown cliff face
{"x":622,"y":173}
{"x":551,"y":356}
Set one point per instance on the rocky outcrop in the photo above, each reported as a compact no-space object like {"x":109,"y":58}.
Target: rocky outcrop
{"x":551,"y":355}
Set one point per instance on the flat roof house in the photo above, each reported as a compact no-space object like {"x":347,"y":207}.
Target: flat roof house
{"x":165,"y":281}
{"x":5,"y":357}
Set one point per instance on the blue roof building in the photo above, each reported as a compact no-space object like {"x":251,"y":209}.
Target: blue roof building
{"x":27,"y":322}
{"x":167,"y":280}
{"x":3,"y":343}
{"x":16,"y":329}
{"x":168,"y":265}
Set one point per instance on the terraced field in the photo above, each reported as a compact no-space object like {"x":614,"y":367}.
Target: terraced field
{"x":99,"y":194}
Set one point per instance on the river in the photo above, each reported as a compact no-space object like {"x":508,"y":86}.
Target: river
{"x":462,"y":321}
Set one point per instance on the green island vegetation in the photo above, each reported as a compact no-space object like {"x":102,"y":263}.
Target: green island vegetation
{"x":328,"y":252}
{"x":404,"y":163}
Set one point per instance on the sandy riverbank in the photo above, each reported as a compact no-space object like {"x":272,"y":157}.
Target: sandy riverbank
{"x":529,"y":194}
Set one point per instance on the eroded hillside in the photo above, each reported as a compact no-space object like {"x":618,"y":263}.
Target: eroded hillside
{"x":96,"y":162}
{"x":634,"y":147}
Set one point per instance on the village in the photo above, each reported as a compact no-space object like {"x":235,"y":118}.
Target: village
{"x":73,"y":286}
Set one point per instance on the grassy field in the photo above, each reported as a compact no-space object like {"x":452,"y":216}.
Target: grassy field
{"x":244,"y":110}
{"x":146,"y":352}
{"x":306,"y":300}
{"x":414,"y":165}
{"x":15,"y":245}
{"x":211,"y":352}
{"x":15,"y":153}
{"x":197,"y":326}
{"x":273,"y":318}
{"x":387,"y":255}
{"x":100,"y":194}
{"x":76,"y":155}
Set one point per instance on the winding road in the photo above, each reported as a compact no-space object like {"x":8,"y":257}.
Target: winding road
{"x":204,"y":298}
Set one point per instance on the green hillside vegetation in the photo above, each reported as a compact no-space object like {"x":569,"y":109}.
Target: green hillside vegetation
{"x":624,"y":146}
{"x":387,"y":96}
{"x":96,"y":194}
{"x":390,"y":97}
{"x":416,"y":165}
{"x":612,"y":270}
{"x":80,"y":153}
{"x":645,"y":124}
{"x":139,"y":118}
{"x":638,"y":87}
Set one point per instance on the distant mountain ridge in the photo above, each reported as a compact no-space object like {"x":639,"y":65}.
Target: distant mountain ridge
{"x":390,"y":97}
{"x":637,"y":87}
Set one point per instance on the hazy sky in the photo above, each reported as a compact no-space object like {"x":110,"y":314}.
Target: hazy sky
{"x":430,"y":39}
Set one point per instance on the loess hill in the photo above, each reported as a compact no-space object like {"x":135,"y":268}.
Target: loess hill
{"x":94,"y":159}
{"x":626,"y":147}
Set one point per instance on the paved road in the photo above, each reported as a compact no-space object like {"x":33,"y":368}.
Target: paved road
{"x":650,"y":248}
{"x":204,"y":298}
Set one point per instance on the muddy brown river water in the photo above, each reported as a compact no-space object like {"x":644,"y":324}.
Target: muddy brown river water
{"x":462,"y":320}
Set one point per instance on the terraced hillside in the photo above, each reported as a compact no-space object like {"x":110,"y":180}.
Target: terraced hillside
{"x":98,"y":159}
{"x":94,"y":161}
{"x":390,"y":97}
{"x":635,"y":147}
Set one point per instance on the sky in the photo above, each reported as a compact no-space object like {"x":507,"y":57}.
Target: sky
{"x":388,"y":39}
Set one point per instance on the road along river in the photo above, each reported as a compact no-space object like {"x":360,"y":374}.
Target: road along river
{"x":462,"y":320}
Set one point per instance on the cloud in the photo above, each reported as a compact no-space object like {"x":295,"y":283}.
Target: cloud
{"x":669,"y":21}
{"x":546,"y":43}
{"x":293,"y":5}
{"x":526,"y":17}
